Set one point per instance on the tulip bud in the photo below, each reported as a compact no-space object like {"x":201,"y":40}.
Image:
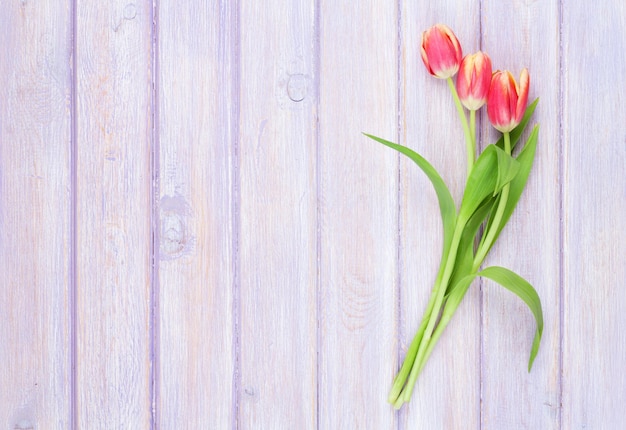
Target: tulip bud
{"x":441,"y":51}
{"x":473,"y":80}
{"x":506,"y":103}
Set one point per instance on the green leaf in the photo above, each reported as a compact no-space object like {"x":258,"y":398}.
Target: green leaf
{"x":465,"y":256}
{"x":480,"y":183}
{"x":456,"y":294}
{"x":448,"y":217}
{"x":518,"y":285}
{"x":516,"y":133}
{"x":512,"y":282}
{"x":507,"y":169}
{"x":446,"y":202}
{"x":517,"y":185}
{"x":493,"y":169}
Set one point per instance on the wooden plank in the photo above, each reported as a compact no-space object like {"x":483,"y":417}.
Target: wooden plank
{"x":35,"y":213}
{"x":446,"y":394}
{"x":278,"y":241}
{"x":594,"y":238}
{"x":113,"y":129}
{"x":515,"y":37}
{"x":196,"y":120}
{"x":359,"y":214}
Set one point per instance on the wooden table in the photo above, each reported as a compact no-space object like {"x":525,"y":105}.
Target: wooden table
{"x":194,"y":234}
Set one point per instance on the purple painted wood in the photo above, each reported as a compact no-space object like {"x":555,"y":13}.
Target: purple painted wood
{"x":594,"y":227}
{"x":197,"y":224}
{"x":35,"y":213}
{"x":278,"y":214}
{"x":358,"y":215}
{"x":113,"y":214}
{"x":193,"y":232}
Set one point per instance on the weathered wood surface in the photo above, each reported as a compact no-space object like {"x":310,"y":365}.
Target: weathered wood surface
{"x":113,"y":186}
{"x":195,"y":125}
{"x":35,"y":215}
{"x":358,"y":215}
{"x":594,"y":226}
{"x":194,"y":233}
{"x":277,"y":216}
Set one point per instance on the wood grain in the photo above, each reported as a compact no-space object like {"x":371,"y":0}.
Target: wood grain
{"x":594,"y":203}
{"x":237,"y":255}
{"x":278,"y":242}
{"x":359,"y":214}
{"x":515,"y":37}
{"x":446,"y":394}
{"x":35,"y":237}
{"x":196,"y":126}
{"x":113,"y":131}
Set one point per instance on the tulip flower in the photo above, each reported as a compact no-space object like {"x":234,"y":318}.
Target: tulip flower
{"x":473,"y":80}
{"x":441,"y":51}
{"x":442,"y":55}
{"x":472,"y":84}
{"x":507,"y":100}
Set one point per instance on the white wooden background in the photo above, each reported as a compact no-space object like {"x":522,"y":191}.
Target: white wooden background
{"x":195,"y":235}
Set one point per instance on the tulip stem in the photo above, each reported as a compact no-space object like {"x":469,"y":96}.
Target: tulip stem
{"x":441,"y":285}
{"x":466,"y":130}
{"x":409,"y":359}
{"x":473,"y":132}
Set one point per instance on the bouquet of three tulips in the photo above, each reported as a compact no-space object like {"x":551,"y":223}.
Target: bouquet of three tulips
{"x":495,"y":181}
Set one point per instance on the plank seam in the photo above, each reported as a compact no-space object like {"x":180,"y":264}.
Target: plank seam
{"x":317,"y":55}
{"x":230,"y":50}
{"x":73,"y":280}
{"x":481,"y":296}
{"x":154,"y":251}
{"x":399,"y":414}
{"x":561,"y":177}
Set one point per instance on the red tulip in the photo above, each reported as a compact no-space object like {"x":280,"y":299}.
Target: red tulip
{"x":441,"y":51}
{"x":507,"y":100}
{"x":473,"y":80}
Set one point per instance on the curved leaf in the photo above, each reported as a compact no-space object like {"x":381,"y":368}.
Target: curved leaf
{"x":446,"y":202}
{"x":456,"y":294}
{"x":507,"y":169}
{"x":512,"y":282}
{"x":493,"y":169}
{"x":518,"y":285}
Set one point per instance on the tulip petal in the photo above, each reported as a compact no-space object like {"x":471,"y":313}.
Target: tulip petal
{"x":507,"y":100}
{"x":441,"y":51}
{"x":473,"y":80}
{"x":524,"y":86}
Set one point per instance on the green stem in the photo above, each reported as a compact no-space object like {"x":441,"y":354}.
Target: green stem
{"x":409,"y":359}
{"x":485,"y":245}
{"x":473,"y":133}
{"x":466,"y":130}
{"x":440,"y":289}
{"x":427,"y":335}
{"x":446,"y":316}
